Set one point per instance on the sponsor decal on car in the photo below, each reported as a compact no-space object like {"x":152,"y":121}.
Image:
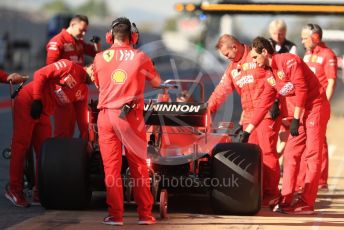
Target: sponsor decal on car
{"x":172,"y":107}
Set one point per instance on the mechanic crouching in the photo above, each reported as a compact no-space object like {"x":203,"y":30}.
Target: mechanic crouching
{"x":120,"y":73}
{"x":59,"y":83}
{"x":248,"y":79}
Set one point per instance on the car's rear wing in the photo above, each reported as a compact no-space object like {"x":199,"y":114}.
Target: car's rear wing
{"x":176,"y":114}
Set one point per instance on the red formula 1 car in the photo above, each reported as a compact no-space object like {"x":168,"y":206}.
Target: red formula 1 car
{"x":184,"y":153}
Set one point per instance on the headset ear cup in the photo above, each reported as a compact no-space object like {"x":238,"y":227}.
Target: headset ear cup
{"x":315,"y":38}
{"x":109,"y":37}
{"x":134,"y":38}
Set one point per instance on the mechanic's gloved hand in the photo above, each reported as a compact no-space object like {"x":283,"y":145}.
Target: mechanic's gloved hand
{"x":95,"y":39}
{"x":238,"y":130}
{"x":274,"y":110}
{"x":36,"y":109}
{"x":244,"y":136}
{"x":16,"y":78}
{"x":294,"y":127}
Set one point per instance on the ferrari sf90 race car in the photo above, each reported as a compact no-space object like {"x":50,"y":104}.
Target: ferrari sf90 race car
{"x":185,"y":153}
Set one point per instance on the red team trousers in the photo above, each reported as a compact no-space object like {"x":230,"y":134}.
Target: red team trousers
{"x":309,"y":145}
{"x":113,"y":132}
{"x":26,"y":131}
{"x":265,"y":135}
{"x":324,"y":168}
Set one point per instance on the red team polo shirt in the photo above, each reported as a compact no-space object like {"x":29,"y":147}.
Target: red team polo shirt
{"x":65,"y":46}
{"x":247,"y":79}
{"x":323,"y":62}
{"x":120,"y":73}
{"x":291,"y":78}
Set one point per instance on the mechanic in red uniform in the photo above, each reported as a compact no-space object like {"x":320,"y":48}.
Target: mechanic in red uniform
{"x":323,"y":62}
{"x":60,"y":83}
{"x":120,"y":73}
{"x":292,"y":78}
{"x":15,"y":78}
{"x":243,"y":75}
{"x":69,"y":44}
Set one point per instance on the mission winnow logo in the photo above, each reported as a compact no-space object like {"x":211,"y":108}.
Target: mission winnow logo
{"x":175,"y":107}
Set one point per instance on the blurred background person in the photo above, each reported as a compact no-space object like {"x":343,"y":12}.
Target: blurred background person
{"x":278,"y":32}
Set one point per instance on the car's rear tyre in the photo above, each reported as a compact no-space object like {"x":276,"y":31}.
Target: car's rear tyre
{"x":236,"y":178}
{"x":63,"y":174}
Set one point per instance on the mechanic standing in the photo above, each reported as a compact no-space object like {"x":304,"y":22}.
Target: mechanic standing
{"x":323,"y":62}
{"x":69,"y":44}
{"x":292,"y":78}
{"x":60,"y":83}
{"x":120,"y":73}
{"x":244,"y":76}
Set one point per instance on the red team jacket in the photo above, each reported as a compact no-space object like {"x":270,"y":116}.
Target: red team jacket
{"x":65,"y":46}
{"x":244,"y":77}
{"x":323,"y":62}
{"x":120,"y":73}
{"x":290,"y":78}
{"x":60,"y":83}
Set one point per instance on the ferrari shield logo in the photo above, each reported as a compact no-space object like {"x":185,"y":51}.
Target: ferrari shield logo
{"x":119,"y":76}
{"x":271,"y":81}
{"x":280,"y":75}
{"x":108,"y":55}
{"x":314,"y":58}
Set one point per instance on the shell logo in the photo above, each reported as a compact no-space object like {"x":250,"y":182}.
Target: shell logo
{"x":119,"y":76}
